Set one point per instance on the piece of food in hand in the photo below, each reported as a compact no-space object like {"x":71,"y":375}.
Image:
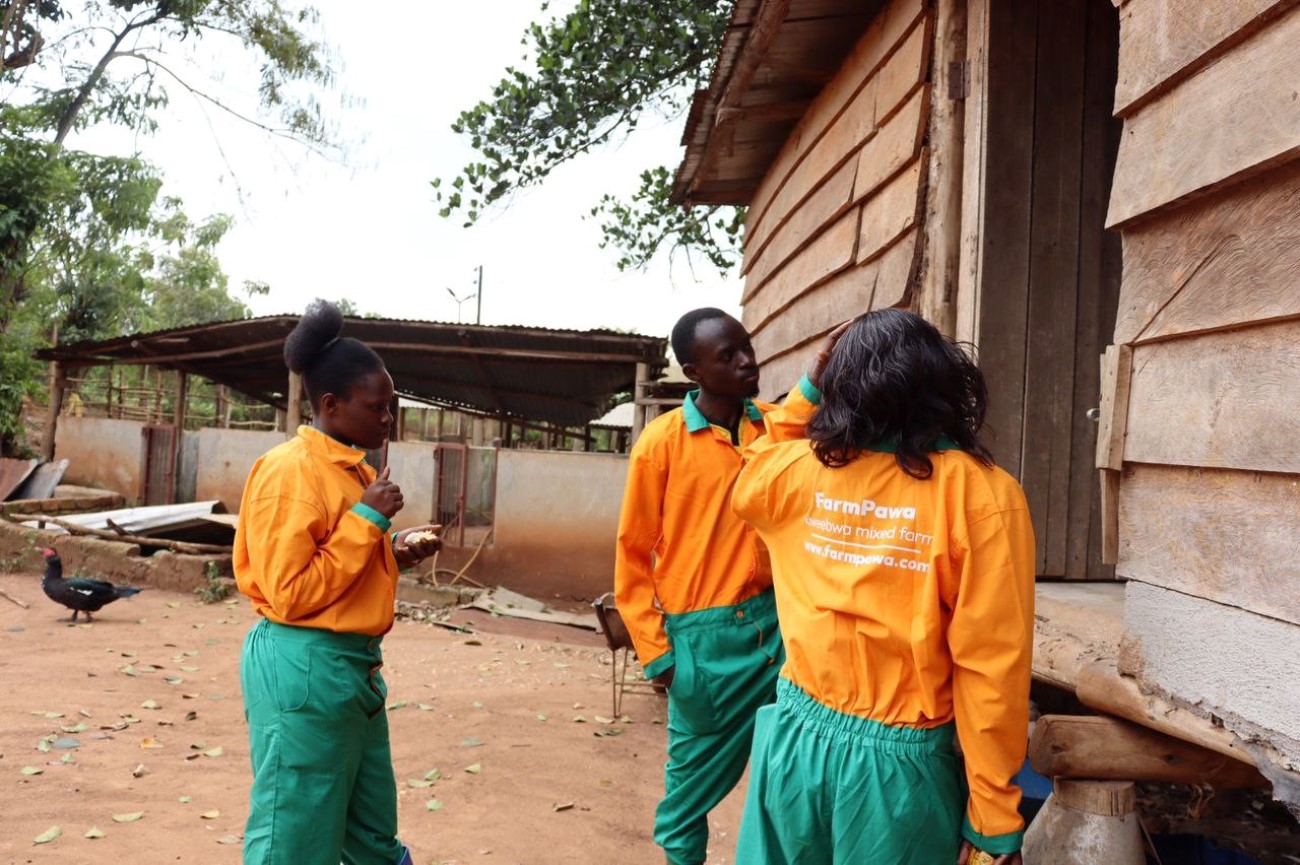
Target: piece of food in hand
{"x":979,"y":857}
{"x":421,"y":537}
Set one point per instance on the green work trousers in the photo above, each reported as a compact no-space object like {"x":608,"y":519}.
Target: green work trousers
{"x":323,"y":785}
{"x":727,"y":660}
{"x":826,"y":788}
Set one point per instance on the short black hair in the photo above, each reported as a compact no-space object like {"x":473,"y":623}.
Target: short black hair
{"x":327,"y":362}
{"x":893,"y":377}
{"x":683,"y":336}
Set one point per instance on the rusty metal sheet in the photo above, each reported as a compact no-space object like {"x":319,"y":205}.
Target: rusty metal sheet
{"x":40,"y":484}
{"x":12,"y":474}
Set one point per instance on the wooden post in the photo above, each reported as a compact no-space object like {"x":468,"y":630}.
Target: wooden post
{"x":939,"y":270}
{"x":424,"y":424}
{"x":182,"y":397}
{"x":58,"y":383}
{"x":638,"y":407}
{"x":108,"y":393}
{"x":401,"y":423}
{"x":294,"y":399}
{"x":221,"y":407}
{"x":974,"y":141}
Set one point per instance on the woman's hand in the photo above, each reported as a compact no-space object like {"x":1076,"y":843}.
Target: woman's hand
{"x":963,"y":856}
{"x":413,"y":545}
{"x":383,"y":495}
{"x":824,"y":354}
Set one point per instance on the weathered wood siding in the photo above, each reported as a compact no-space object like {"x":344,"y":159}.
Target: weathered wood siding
{"x":1039,"y":275}
{"x":833,"y":229}
{"x":1207,"y":196}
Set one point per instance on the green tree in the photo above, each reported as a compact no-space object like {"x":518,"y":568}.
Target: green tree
{"x":595,"y":73}
{"x":75,"y":227}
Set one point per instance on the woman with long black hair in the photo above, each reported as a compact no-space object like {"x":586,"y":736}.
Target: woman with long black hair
{"x":903,"y":564}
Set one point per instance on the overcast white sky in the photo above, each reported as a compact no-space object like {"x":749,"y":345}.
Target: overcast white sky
{"x":369,"y":230}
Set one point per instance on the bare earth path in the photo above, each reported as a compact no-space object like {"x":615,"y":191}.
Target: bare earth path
{"x":152,"y":689}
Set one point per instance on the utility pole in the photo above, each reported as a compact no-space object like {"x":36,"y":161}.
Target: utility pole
{"x":478,"y":316}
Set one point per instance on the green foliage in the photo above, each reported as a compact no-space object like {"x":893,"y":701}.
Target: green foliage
{"x":216,"y":588}
{"x":641,"y":227}
{"x":596,"y":72}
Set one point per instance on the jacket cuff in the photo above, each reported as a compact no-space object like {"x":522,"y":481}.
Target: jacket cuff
{"x":809,"y":390}
{"x":659,"y":665}
{"x":998,"y":845}
{"x":365,"y":511}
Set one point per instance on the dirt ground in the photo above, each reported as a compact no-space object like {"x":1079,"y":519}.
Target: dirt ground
{"x":133,"y":726}
{"x":516,"y":722}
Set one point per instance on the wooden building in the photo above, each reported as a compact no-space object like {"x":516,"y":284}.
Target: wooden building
{"x":1062,"y":183}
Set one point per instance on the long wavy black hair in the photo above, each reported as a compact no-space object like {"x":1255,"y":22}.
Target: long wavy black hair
{"x":894,"y":379}
{"x":327,"y":361}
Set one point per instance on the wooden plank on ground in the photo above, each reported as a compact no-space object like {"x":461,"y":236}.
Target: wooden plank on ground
{"x":1224,"y":535}
{"x":1235,"y":119}
{"x":871,"y":51}
{"x":1166,"y":41}
{"x":1104,"y":748}
{"x":830,"y":200}
{"x":1220,"y":400}
{"x":830,"y":252}
{"x":890,"y":212}
{"x":893,"y":146}
{"x":1003,"y":279}
{"x":1226,"y":260}
{"x":1054,"y":279}
{"x":850,"y":293}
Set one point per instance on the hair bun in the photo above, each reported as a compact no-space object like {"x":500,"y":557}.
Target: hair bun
{"x":315,"y":332}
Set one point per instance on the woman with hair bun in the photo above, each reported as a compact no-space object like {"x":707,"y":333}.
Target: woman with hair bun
{"x":903,"y":562}
{"x":314,"y":554}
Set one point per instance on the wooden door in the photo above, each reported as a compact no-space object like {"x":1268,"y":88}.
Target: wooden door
{"x":1040,"y":274}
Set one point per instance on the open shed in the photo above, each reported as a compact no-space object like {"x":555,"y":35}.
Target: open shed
{"x":1102,"y":196}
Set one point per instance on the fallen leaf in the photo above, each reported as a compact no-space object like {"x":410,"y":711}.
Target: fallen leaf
{"x":150,"y":704}
{"x":210,"y":815}
{"x":33,"y":770}
{"x":214,"y":752}
{"x":67,"y":758}
{"x":189,"y":669}
{"x":418,"y":783}
{"x":229,"y":839}
{"x":612,"y":731}
{"x":432,"y":775}
{"x":478,"y":704}
{"x":434,"y":804}
{"x":601,"y":719}
{"x":150,"y":742}
{"x":191,"y":715}
{"x":94,"y":832}
{"x":128,"y":654}
{"x":424,"y":707}
{"x":560,"y":665}
{"x":185,"y":800}
{"x":393,"y":707}
{"x":130,"y":719}
{"x":564,"y":806}
{"x":470,"y":742}
{"x":174,"y":680}
{"x":475,"y":769}
{"x":173,"y":604}
{"x":48,"y":835}
{"x":53,"y":715}
{"x":541,"y":716}
{"x":578,"y":719}
{"x":43,"y":746}
{"x":128,"y":818}
{"x":139,"y":771}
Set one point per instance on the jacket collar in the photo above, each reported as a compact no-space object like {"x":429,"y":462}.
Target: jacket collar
{"x":330,"y":449}
{"x":696,"y":421}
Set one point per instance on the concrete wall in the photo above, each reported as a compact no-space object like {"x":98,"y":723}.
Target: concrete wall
{"x":556,"y":523}
{"x":413,"y":467}
{"x":225,"y":457}
{"x":102,"y":453}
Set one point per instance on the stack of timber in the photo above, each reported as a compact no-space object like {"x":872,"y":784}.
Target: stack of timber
{"x":1207,"y":197}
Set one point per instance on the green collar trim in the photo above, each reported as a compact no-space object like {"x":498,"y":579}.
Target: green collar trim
{"x":890,"y":446}
{"x":696,"y":421}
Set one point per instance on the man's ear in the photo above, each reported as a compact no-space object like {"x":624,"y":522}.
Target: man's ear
{"x":689,"y":370}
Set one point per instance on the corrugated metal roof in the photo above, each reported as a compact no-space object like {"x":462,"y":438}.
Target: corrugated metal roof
{"x":563,"y":377}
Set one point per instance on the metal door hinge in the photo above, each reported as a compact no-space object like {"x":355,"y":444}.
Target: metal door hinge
{"x":959,"y":79}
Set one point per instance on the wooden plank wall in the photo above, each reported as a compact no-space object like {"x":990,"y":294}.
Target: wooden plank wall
{"x":1047,"y":274}
{"x":833,"y":229}
{"x":1207,"y":196}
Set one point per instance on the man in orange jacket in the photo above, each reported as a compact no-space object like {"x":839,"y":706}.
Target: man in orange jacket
{"x":692,"y":581}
